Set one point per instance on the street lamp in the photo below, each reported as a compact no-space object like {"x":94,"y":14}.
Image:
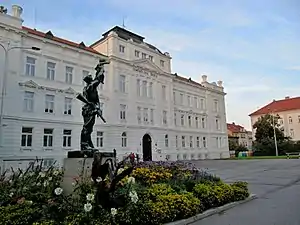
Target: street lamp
{"x":275,"y":138}
{"x":5,"y":71}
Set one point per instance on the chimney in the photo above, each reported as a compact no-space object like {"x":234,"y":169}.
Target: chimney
{"x":220,"y":83}
{"x":287,"y":97}
{"x":17,"y":11}
{"x":204,"y":78}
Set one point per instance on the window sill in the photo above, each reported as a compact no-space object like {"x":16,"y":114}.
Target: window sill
{"x":67,"y":148}
{"x":26,"y":148}
{"x":48,"y":148}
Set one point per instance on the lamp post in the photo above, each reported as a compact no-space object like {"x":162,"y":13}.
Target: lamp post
{"x":4,"y":80}
{"x":275,"y":138}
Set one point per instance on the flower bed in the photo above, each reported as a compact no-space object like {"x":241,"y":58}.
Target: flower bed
{"x":148,"y":193}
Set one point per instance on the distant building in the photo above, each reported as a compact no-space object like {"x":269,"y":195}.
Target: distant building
{"x":289,"y":111}
{"x":239,"y":135}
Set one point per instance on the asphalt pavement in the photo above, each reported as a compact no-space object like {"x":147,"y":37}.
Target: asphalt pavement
{"x":276,"y":182}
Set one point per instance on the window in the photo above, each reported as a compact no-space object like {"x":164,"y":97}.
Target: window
{"x":122,"y":82}
{"x":196,"y":102}
{"x":124,"y":139}
{"x":67,"y":138}
{"x":50,"y":70}
{"x":191,"y":142}
{"x":48,"y":138}
{"x":151,"y":58}
{"x":204,"y":142}
{"x":198,"y":142}
{"x":292,"y":133}
{"x":164,"y":93}
{"x":49,"y":104}
{"x":144,"y":56}
{"x":192,"y":156}
{"x":30,"y":66}
{"x":217,"y":124}
{"x":216,"y":106}
{"x":162,"y":63}
{"x":99,"y":139}
{"x":138,"y":87}
{"x":298,"y":119}
{"x":183,"y":141}
{"x":175,"y":119}
{"x":122,"y":48}
{"x":144,"y":88}
{"x":69,"y":75}
{"x":190,"y":121}
{"x":84,"y":74}
{"x":26,"y":138}
{"x":174,"y":97}
{"x":68,"y":106}
{"x":28,"y":101}
{"x":181,"y":99}
{"x":150,"y":94}
{"x":123,"y":112}
{"x":189,"y":100}
{"x":47,"y":163}
{"x":152,"y":116}
{"x":139,"y":117}
{"x":182,"y":119}
{"x":165,"y":122}
{"x":290,"y":120}
{"x":137,"y":53}
{"x":203,"y":122}
{"x":202,"y":106}
{"x":196,"y":122}
{"x":184,"y":156}
{"x":176,"y":141}
{"x":166,"y":141}
{"x":145,"y":114}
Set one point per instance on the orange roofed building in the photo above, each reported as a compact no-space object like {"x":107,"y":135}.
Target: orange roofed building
{"x":289,"y":111}
{"x":239,"y":134}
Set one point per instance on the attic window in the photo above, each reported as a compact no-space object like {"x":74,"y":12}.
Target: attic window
{"x":3,"y":9}
{"x":49,"y":35}
{"x":82,"y":45}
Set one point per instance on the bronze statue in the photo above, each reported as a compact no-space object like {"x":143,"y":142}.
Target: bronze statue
{"x":91,"y":107}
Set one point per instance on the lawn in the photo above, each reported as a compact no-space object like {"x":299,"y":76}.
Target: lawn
{"x":263,"y":157}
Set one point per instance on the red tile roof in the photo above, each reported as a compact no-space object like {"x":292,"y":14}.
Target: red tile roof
{"x":60,"y":40}
{"x":234,"y":128}
{"x":286,"y":104}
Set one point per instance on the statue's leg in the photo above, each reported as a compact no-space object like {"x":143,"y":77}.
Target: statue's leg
{"x":92,"y":123}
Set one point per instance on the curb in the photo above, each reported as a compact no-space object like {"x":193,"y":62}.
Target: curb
{"x":211,"y":212}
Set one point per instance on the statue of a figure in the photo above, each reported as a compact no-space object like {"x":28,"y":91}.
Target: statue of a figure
{"x":91,"y":107}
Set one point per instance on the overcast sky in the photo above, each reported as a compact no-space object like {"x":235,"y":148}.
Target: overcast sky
{"x":253,"y":46}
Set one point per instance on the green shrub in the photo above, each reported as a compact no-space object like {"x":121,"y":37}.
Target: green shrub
{"x":240,"y":190}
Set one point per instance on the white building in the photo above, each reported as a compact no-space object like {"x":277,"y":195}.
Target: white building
{"x":149,"y":110}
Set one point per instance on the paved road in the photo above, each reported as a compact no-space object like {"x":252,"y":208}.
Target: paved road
{"x":276,"y":183}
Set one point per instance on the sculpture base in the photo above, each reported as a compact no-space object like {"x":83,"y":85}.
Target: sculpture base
{"x":78,"y":166}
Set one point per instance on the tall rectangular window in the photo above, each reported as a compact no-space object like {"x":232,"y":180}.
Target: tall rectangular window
{"x":137,"y":53}
{"x":28,"y":101}
{"x":204,"y":144}
{"x":122,"y":112}
{"x":197,"y":122}
{"x":182,"y":119}
{"x":48,"y":138}
{"x":122,"y":48}
{"x":191,"y":142}
{"x":144,"y":89}
{"x":217,"y":124}
{"x":164,"y":92}
{"x":49,"y":104}
{"x":69,"y":75}
{"x":152,"y":116}
{"x":189,"y":100}
{"x":50,"y":70}
{"x":144,"y":55}
{"x":202,"y":105}
{"x":162,"y":63}
{"x":176,"y":141}
{"x":190,"y":121}
{"x":183,"y":141}
{"x":30,"y":66}
{"x":175,"y":119}
{"x":138,"y":87}
{"x":165,"y":119}
{"x":174,"y":97}
{"x":67,"y":138}
{"x":26,"y":138}
{"x":68,"y":106}
{"x":196,"y":102}
{"x":151,"y":58}
{"x":203,"y":122}
{"x":216,"y":106}
{"x":145,"y":114}
{"x":150,"y":91}
{"x":99,"y":139}
{"x":139,"y":116}
{"x":181,"y":99}
{"x":122,"y":83}
{"x":198,"y":142}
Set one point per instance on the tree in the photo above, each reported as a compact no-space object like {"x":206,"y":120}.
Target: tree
{"x":265,"y":129}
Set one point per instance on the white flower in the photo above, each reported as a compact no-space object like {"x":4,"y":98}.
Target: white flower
{"x":11,"y":194}
{"x":58,"y":191}
{"x":99,"y":179}
{"x":46,"y":183}
{"x":90,"y":197}
{"x":56,"y":172}
{"x":29,"y":202}
{"x":50,"y":178}
{"x":73,"y":184}
{"x":134,"y":197}
{"x":41,"y":174}
{"x":113,"y":211}
{"x":120,"y":170}
{"x":10,"y":181}
{"x":131,"y":180}
{"x":88,"y":207}
{"x":38,"y":184}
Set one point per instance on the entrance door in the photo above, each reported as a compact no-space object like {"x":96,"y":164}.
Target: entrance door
{"x":147,"y":148}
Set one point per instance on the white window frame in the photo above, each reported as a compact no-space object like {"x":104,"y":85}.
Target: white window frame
{"x":175,"y":119}
{"x":69,"y":74}
{"x":51,"y":70}
{"x":68,"y":106}
{"x":144,"y":88}
{"x":150,"y":90}
{"x":165,"y":117}
{"x":100,"y":139}
{"x":183,"y":144}
{"x":190,"y":120}
{"x":123,"y":112}
{"x":27,"y":136}
{"x":48,"y":138}
{"x":191,"y":142}
{"x":176,"y":141}
{"x":182,"y":122}
{"x":144,"y":55}
{"x":137,"y":53}
{"x":145,"y":116}
{"x":28,"y":101}
{"x":122,"y":83}
{"x":139,"y":114}
{"x":124,"y":140}
{"x":121,"y":48}
{"x":198,"y":142}
{"x":204,"y":142}
{"x":49,"y":103}
{"x":150,"y":57}
{"x":197,"y":122}
{"x":138,"y":87}
{"x":166,"y":140}
{"x":67,"y":138}
{"x":152,"y":116}
{"x":164,"y":92}
{"x":162,"y":63}
{"x":203,"y":123}
{"x":290,"y":120}
{"x":30,"y":66}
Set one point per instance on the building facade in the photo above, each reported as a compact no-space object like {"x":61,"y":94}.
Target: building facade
{"x":288,"y":109}
{"x":239,"y":135}
{"x":149,"y":110}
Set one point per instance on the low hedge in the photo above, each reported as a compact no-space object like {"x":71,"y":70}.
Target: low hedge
{"x":154,"y":193}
